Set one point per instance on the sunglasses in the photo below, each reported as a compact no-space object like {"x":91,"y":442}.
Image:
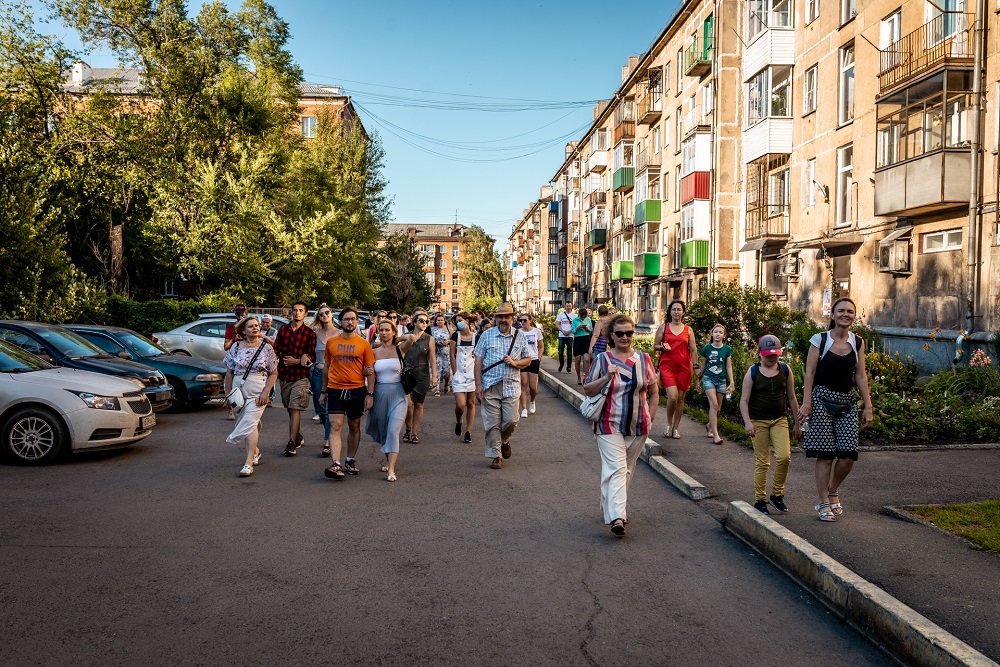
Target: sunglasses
{"x":393,"y":317}
{"x":624,"y":334}
{"x":325,"y":313}
{"x":523,"y":319}
{"x":422,"y":321}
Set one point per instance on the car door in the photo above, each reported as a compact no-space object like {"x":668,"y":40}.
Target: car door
{"x":106,"y":343}
{"x":208,"y":340}
{"x":27,"y":343}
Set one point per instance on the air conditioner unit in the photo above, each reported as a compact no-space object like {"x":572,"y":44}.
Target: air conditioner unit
{"x":894,"y":256}
{"x":789,"y":266}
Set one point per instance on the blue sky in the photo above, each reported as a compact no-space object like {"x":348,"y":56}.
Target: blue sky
{"x":515,"y":50}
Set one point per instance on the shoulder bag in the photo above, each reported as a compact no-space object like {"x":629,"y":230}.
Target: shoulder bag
{"x":593,"y":406}
{"x":235,"y":396}
{"x":406,"y":376}
{"x":509,"y":350}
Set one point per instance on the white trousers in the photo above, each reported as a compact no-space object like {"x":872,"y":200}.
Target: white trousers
{"x":618,"y":458}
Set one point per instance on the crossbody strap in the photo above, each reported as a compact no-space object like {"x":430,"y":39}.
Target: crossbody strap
{"x":260,"y":348}
{"x":509,"y":350}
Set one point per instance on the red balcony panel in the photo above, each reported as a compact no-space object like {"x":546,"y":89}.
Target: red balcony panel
{"x":696,"y":185}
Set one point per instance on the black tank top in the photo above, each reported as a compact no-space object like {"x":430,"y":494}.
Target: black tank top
{"x":768,"y":397}
{"x":836,"y":372}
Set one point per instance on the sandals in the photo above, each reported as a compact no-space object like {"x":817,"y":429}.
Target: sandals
{"x":414,"y":439}
{"x":390,"y":478}
{"x":676,"y":435}
{"x":256,"y":458}
{"x":326,"y":450}
{"x":836,"y":507}
{"x":406,"y":437}
{"x":246,"y":471}
{"x":825,"y":513}
{"x":718,"y":441}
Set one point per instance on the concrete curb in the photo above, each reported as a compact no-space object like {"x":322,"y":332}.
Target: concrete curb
{"x":901,"y":631}
{"x":652,"y":453}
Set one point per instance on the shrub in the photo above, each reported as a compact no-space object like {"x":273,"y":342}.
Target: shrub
{"x":747,"y":312}
{"x":890,"y":373}
{"x":797,"y":339}
{"x":971,"y":381}
{"x":550,"y":333}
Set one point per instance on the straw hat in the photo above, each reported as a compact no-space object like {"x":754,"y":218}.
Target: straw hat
{"x":505,"y":309}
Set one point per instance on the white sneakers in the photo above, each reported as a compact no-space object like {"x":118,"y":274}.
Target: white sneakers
{"x":524,"y":413}
{"x":531,"y":407}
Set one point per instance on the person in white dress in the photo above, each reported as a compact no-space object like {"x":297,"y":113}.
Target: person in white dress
{"x":463,"y":373}
{"x":251,"y":361}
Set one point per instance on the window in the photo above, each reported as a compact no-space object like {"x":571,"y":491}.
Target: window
{"x":656,"y":139}
{"x":666,"y":132}
{"x":680,"y":72}
{"x":444,"y":291}
{"x":666,"y":77}
{"x":809,"y":90}
{"x":169,"y":287}
{"x":943,"y":241}
{"x":946,"y":23}
{"x":309,"y":127}
{"x":442,"y":278}
{"x":623,"y":155}
{"x":781,"y":91}
{"x":812,"y":11}
{"x":429,"y":263}
{"x":443,"y":264}
{"x":427,"y":248}
{"x":677,"y":188}
{"x":454,"y":281}
{"x":707,"y":100}
{"x":848,"y":8}
{"x":763,"y":14}
{"x":444,"y":250}
{"x":808,"y":182}
{"x":666,"y":186}
{"x":454,"y":251}
{"x":846,"y":106}
{"x":769,"y":94}
{"x":845,"y":180}
{"x":777,"y":193}
{"x":678,"y":130}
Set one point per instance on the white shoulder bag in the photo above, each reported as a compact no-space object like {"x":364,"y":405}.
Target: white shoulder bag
{"x":235,"y":396}
{"x":593,"y":406}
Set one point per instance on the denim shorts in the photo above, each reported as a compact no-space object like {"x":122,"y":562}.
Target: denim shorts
{"x":718,"y":384}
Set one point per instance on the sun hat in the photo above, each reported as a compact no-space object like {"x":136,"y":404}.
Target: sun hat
{"x":769,"y":345}
{"x":505,"y":309}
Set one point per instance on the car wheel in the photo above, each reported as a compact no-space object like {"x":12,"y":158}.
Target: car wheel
{"x":179,"y":401}
{"x":183,"y":353}
{"x":33,"y":436}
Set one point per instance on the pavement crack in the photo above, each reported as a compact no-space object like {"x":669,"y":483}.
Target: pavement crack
{"x":598,"y":609}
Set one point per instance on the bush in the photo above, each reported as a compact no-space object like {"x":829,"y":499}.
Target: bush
{"x":147,"y":317}
{"x":550,"y":333}
{"x":890,"y":373}
{"x":747,"y":313}
{"x":968,"y":381}
{"x":797,"y":339}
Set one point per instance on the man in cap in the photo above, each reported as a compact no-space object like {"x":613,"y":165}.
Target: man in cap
{"x":501,"y":353}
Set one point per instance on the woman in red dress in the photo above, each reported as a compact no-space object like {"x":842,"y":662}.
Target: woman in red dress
{"x":675,"y":343}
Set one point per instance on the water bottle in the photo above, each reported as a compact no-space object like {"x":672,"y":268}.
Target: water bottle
{"x":805,"y":425}
{"x":729,"y":394}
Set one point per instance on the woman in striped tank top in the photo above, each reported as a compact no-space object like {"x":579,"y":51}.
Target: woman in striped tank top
{"x":629,"y":409}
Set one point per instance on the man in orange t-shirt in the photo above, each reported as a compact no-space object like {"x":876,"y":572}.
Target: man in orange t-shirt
{"x":350,"y":386}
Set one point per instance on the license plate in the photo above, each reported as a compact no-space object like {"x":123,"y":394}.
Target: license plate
{"x":162,"y":396}
{"x":148,"y":422}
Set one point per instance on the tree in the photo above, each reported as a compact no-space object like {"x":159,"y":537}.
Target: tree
{"x":485,"y":282}
{"x":747,"y":312}
{"x":407,"y":285}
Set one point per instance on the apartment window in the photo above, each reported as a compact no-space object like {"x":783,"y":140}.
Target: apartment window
{"x":946,"y":18}
{"x":680,"y":72}
{"x":707,"y":100}
{"x":808,"y":182}
{"x":666,"y":186}
{"x":678,"y":129}
{"x":169,"y":287}
{"x":846,"y":106}
{"x":666,"y":77}
{"x":624,"y":155}
{"x":943,"y":241}
{"x":427,"y":248}
{"x":443,"y":264}
{"x":656,"y":139}
{"x":309,"y":127}
{"x":845,"y":181}
{"x":769,"y":94}
{"x":809,"y":90}
{"x":848,"y":8}
{"x":444,"y":250}
{"x":677,"y":188}
{"x":454,"y":281}
{"x":812,"y":11}
{"x":687,"y":223}
{"x":666,"y":132}
{"x":763,"y":14}
{"x":777,"y":193}
{"x":429,"y":263}
{"x":688,"y":156}
{"x":454,"y":251}
{"x":442,"y":278}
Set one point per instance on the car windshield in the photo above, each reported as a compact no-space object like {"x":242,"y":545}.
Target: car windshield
{"x":70,"y":344}
{"x":142,"y":345}
{"x":15,"y":360}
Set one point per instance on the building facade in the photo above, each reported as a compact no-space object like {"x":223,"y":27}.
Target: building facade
{"x":443,"y":249}
{"x":812,"y":149}
{"x":532,"y":255}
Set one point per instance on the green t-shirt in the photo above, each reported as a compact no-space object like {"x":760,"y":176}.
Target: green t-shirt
{"x":579,"y":323}
{"x":715,"y":360}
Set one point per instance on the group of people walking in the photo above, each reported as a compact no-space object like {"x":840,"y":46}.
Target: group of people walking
{"x":494,"y":361}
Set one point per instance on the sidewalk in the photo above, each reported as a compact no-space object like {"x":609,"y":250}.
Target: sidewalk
{"x":934,"y":573}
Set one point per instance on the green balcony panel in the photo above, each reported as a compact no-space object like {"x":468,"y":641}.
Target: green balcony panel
{"x":624,"y":179}
{"x":694,"y":254}
{"x":646,"y":265}
{"x":597,"y":237}
{"x":621,"y":271}
{"x":647,"y":211}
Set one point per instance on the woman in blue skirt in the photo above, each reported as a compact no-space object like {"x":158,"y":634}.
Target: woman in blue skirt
{"x":388,"y":413}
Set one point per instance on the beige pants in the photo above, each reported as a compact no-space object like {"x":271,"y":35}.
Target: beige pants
{"x":618,"y":458}
{"x":499,"y":418}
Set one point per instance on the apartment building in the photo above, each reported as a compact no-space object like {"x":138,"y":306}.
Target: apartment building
{"x":814,"y":149}
{"x":533,"y":260}
{"x":443,"y":249}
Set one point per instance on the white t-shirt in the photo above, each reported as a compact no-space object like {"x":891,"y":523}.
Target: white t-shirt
{"x":565,"y":323}
{"x":534,"y":337}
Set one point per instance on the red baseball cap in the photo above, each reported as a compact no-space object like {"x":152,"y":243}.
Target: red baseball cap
{"x":769,"y":345}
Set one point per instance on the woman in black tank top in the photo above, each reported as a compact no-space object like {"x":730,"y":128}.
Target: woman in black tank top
{"x":834,"y":367}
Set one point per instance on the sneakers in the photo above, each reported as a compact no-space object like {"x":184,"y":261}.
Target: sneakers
{"x":458,"y":428}
{"x":531,"y":407}
{"x":505,"y":449}
{"x":468,"y":437}
{"x":335,"y":471}
{"x":496,"y":464}
{"x":299,"y":441}
{"x":351,"y":467}
{"x":778,"y":502}
{"x":524,"y":413}
{"x":317,"y":419}
{"x":761,"y":506}
{"x":290,"y":448}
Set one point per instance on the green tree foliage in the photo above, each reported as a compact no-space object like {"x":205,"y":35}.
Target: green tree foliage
{"x":485,"y":282}
{"x":407,"y":286}
{"x":747,"y":313}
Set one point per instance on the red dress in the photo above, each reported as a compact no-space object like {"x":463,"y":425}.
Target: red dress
{"x":675,"y":363}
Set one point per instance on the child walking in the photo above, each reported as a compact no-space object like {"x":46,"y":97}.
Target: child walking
{"x":715,"y":377}
{"x":768,"y":392}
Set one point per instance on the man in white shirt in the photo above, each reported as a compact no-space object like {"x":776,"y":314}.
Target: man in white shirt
{"x":564,"y":323}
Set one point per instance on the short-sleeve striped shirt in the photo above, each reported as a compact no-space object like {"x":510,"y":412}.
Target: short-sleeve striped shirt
{"x":626,"y":409}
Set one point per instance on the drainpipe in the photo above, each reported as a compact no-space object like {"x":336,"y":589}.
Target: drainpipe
{"x":974,"y":166}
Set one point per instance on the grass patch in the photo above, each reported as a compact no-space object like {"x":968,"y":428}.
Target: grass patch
{"x":977,"y":522}
{"x":731,"y":430}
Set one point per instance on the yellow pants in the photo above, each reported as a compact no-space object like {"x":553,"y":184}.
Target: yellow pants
{"x":770,"y":433}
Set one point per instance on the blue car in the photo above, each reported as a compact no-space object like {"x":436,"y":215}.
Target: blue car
{"x":194,"y":380}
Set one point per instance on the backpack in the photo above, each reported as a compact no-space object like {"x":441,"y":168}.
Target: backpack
{"x":754,"y":369}
{"x":824,"y":337}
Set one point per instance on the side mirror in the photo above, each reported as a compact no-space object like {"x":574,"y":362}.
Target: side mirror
{"x":124,"y":355}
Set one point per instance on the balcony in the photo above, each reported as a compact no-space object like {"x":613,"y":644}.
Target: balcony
{"x":774,"y":46}
{"x":553,"y":285}
{"x":696,"y":185}
{"x":768,"y":222}
{"x":597,"y":238}
{"x":696,"y":120}
{"x":649,"y":101}
{"x":648,"y":161}
{"x":621,"y":224}
{"x":646,"y":265}
{"x":597,"y":198}
{"x":694,"y":254}
{"x":574,"y":183}
{"x":648,"y":211}
{"x":597,"y":162}
{"x":553,"y":207}
{"x":932,"y":182}
{"x":621,"y":270}
{"x":945,"y":40}
{"x":768,"y":136}
{"x":553,"y":258}
{"x":624,"y":130}
{"x":698,"y":57}
{"x":623,"y":179}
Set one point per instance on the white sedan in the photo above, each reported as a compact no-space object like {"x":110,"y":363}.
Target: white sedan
{"x":46,"y":411}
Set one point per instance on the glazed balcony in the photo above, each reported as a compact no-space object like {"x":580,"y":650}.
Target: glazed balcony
{"x":597,"y":198}
{"x":696,"y":185}
{"x":646,"y":265}
{"x":698,"y":57}
{"x":597,"y":238}
{"x":597,"y":162}
{"x":621,"y":270}
{"x":623,"y":179}
{"x":648,"y":211}
{"x":694,"y":254}
{"x":622,"y":225}
{"x":946,"y":40}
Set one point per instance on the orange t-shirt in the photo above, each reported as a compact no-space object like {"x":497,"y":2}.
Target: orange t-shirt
{"x":346,"y":359}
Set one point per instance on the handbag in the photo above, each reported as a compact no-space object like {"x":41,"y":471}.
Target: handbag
{"x":235,"y":396}
{"x":406,"y":376}
{"x":834,"y":408}
{"x":593,"y":406}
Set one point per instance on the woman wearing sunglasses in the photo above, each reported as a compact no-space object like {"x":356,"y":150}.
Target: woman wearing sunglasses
{"x":529,"y":375}
{"x":421,"y":360}
{"x":629,"y":409}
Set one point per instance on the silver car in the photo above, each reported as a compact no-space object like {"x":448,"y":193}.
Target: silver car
{"x":204,"y":337}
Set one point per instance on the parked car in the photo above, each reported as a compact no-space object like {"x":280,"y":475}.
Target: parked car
{"x":62,"y":347}
{"x":193,"y":380}
{"x":46,"y":411}
{"x":204,"y":337}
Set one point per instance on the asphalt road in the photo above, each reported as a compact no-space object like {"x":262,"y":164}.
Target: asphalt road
{"x":162,"y":555}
